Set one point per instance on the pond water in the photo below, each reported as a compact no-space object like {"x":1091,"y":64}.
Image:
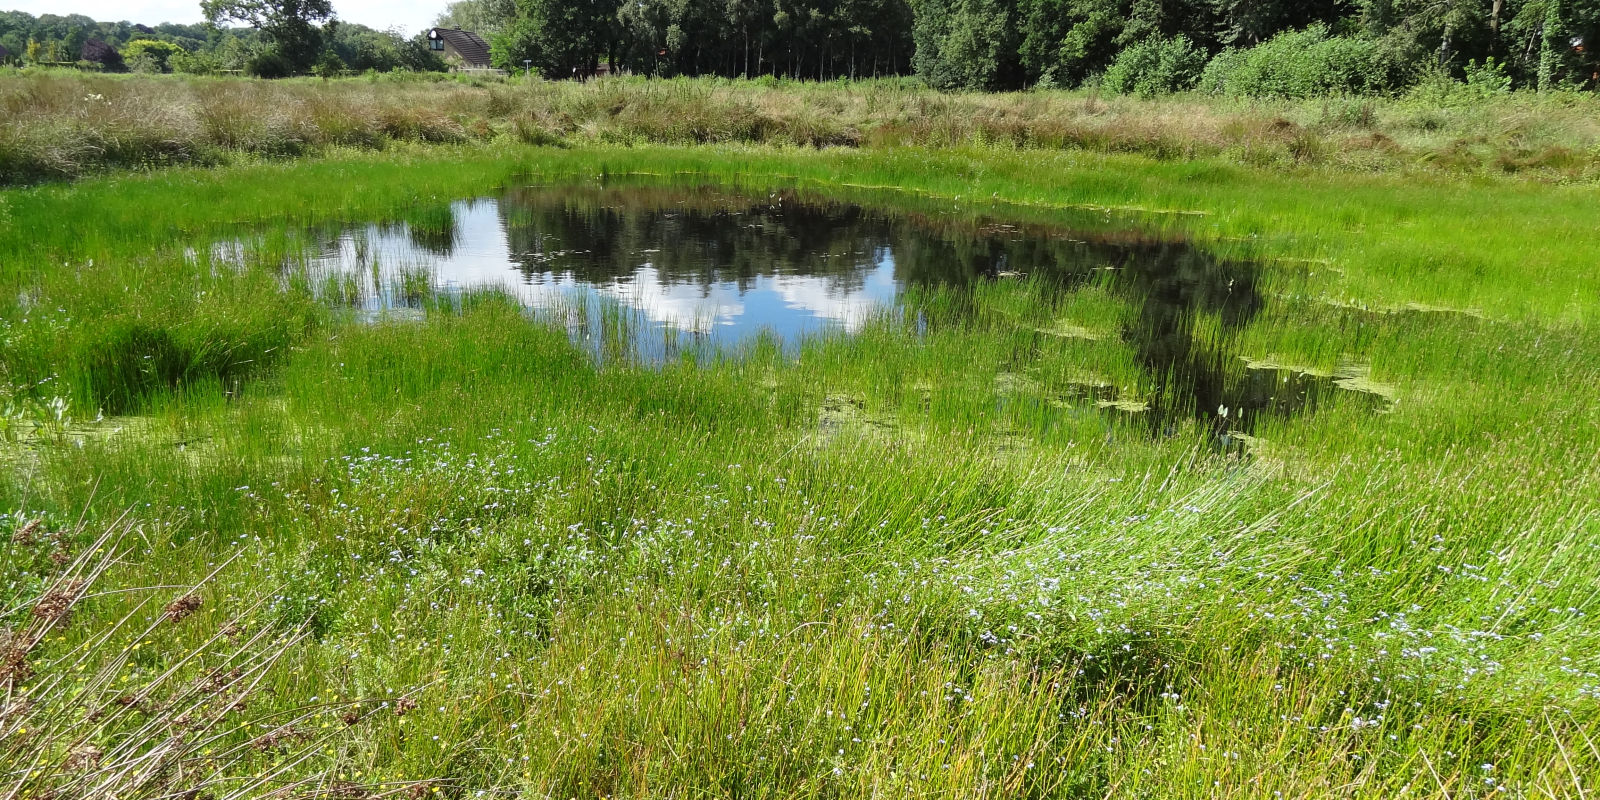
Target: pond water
{"x":715,"y":266}
{"x":712,"y":266}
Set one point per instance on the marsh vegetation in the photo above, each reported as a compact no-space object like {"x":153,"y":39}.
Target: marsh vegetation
{"x":63,"y":125}
{"x":364,"y":476}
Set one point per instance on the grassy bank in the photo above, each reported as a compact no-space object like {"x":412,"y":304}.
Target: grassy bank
{"x":451,"y":551}
{"x":1506,"y":250}
{"x":66,"y":125}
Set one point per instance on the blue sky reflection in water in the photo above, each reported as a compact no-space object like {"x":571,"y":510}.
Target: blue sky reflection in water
{"x":666,"y":268}
{"x":554,"y":255}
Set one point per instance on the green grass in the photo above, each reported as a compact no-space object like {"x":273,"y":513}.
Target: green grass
{"x":880,"y":564}
{"x":1499,"y":248}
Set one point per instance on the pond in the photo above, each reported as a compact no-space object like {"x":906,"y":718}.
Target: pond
{"x":714,"y":266}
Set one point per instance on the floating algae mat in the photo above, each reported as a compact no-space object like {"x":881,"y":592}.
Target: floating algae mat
{"x":676,"y":268}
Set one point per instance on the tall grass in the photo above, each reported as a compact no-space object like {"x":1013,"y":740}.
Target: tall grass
{"x":907,"y":561}
{"x":109,"y":691}
{"x":621,"y":567}
{"x":62,"y":126}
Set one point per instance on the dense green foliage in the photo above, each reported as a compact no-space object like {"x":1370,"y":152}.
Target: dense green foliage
{"x":58,"y":39}
{"x":841,"y":38}
{"x":1299,"y":64}
{"x":1372,"y":46}
{"x":1259,"y":48}
{"x":1155,"y":66}
{"x":485,"y":17}
{"x":560,"y":38}
{"x":292,"y":31}
{"x":1378,"y":46}
{"x":150,"y":55}
{"x":279,"y":47}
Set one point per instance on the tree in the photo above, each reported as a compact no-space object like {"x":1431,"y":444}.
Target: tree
{"x":95,"y":51}
{"x":150,"y":55}
{"x":642,"y":33}
{"x":487,"y":18}
{"x":289,"y":26}
{"x":967,"y":44}
{"x":561,"y":37}
{"x":361,"y":48}
{"x":328,"y":65}
{"x":1568,"y":34}
{"x":1245,"y":23}
{"x":1068,"y":40}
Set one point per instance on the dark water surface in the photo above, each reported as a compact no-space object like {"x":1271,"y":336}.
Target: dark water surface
{"x":709,"y":266}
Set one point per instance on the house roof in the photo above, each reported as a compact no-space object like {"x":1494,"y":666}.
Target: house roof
{"x":473,"y":49}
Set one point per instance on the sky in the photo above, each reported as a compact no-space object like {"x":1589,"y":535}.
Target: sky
{"x":410,"y":15}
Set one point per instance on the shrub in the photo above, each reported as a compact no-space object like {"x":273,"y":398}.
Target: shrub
{"x":1437,"y":88}
{"x":1157,"y":65}
{"x":144,"y":64}
{"x":149,"y":55}
{"x":193,"y":63}
{"x":328,"y":65}
{"x":1224,"y":65}
{"x":1298,"y":64}
{"x":1489,"y":79}
{"x":269,"y":63}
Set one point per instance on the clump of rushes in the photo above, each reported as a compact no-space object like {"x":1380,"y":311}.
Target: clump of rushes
{"x":158,"y":706}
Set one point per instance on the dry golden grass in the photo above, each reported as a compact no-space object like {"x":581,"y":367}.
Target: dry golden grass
{"x":63,"y":125}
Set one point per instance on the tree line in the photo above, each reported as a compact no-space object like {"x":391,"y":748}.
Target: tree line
{"x":1289,"y":48}
{"x":273,"y":39}
{"x":1282,"y":47}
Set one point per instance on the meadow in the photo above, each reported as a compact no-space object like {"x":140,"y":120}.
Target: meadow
{"x":262,"y":543}
{"x":67,"y":124}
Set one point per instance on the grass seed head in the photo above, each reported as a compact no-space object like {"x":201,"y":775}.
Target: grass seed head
{"x":218,"y":679}
{"x":27,"y":534}
{"x":182,"y":607}
{"x":404,"y":705}
{"x":345,"y":790}
{"x":56,"y":604}
{"x":83,"y":758}
{"x":280,"y":738}
{"x":61,"y":556}
{"x":14,"y":709}
{"x":135,"y":701}
{"x":13,"y":657}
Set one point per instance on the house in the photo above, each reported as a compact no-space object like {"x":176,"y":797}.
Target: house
{"x":462,"y":50}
